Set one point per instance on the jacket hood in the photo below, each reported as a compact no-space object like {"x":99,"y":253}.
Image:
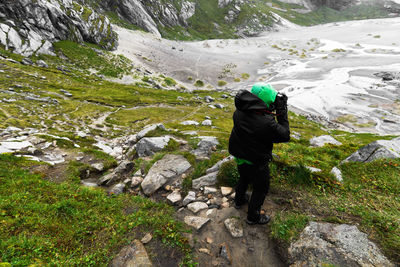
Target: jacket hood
{"x":244,"y":100}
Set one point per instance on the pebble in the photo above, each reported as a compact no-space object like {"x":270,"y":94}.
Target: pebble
{"x":146,"y":239}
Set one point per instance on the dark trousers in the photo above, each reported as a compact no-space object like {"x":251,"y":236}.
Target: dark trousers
{"x":258,"y":176}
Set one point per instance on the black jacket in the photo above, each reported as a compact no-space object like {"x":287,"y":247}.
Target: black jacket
{"x":255,"y":130}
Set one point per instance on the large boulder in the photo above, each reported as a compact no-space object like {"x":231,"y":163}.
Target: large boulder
{"x":322,"y":140}
{"x":377,"y":150}
{"x":205,"y":146}
{"x":163,"y":171}
{"x":208,"y":179}
{"x":31,"y":26}
{"x":338,"y":245}
{"x":147,"y":146}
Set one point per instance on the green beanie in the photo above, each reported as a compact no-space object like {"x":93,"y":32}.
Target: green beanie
{"x":266,"y":92}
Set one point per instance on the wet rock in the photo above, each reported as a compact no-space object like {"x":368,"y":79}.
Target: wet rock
{"x":147,"y":238}
{"x":133,"y":255}
{"x":148,"y":129}
{"x":195,"y":207}
{"x":196,"y":222}
{"x":226,"y":190}
{"x":208,"y":179}
{"x":117,"y":189}
{"x":340,"y":245}
{"x":163,"y":171}
{"x":337,"y":173}
{"x":234,"y":227}
{"x":320,"y":141}
{"x":189,"y":123}
{"x":191,"y":196}
{"x":377,"y":150}
{"x":225,"y":252}
{"x":147,"y":146}
{"x":174,"y":197}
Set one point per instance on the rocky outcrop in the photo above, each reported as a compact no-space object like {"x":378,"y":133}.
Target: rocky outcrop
{"x":338,"y":245}
{"x":377,"y":150}
{"x":29,"y":27}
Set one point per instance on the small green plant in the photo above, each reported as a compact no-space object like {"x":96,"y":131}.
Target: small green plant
{"x":377,"y":36}
{"x":221,"y":83}
{"x":199,"y":83}
{"x":287,"y":226}
{"x":245,"y":76}
{"x":228,"y":174}
{"x":338,"y":50}
{"x":236,"y":80}
{"x":169,"y":81}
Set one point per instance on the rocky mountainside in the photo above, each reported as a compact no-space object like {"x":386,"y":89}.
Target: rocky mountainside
{"x":29,"y":27}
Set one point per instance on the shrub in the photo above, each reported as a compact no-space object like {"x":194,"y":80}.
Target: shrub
{"x":236,"y":80}
{"x":228,"y":174}
{"x":221,"y":83}
{"x":245,"y":76}
{"x":199,"y":83}
{"x":169,"y":81}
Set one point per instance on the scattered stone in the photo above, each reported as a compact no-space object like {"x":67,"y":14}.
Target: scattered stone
{"x":42,"y":64}
{"x":320,"y":141}
{"x":81,"y":134}
{"x":340,"y":245}
{"x":295,"y":135}
{"x":234,"y":227}
{"x":133,"y":255}
{"x":146,"y":239}
{"x":206,"y":145}
{"x":224,"y":199}
{"x":224,"y":96}
{"x":148,"y":129}
{"x":205,"y":250}
{"x":209,"y":190}
{"x":117,"y":189}
{"x":209,"y":99}
{"x":99,"y":167}
{"x":206,"y":123}
{"x":226,"y":191}
{"x":66,"y":93}
{"x":196,"y":222}
{"x":312,"y":169}
{"x":211,"y":212}
{"x":220,"y":106}
{"x":136,"y":181}
{"x":189,"y":132}
{"x":377,"y":150}
{"x":147,"y":146}
{"x":108,"y":178}
{"x":174,"y":197}
{"x":189,"y":123}
{"x":167,"y":187}
{"x":225,"y":205}
{"x":217,"y":165}
{"x":208,"y":179}
{"x":224,"y":252}
{"x":164,"y":170}
{"x":124,"y":167}
{"x":191,"y":196}
{"x":197,"y":206}
{"x":337,"y":173}
{"x":89,"y":183}
{"x":10,"y":147}
{"x":209,"y":240}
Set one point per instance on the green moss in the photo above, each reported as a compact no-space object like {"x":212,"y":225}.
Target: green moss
{"x":222,"y":83}
{"x":199,"y":83}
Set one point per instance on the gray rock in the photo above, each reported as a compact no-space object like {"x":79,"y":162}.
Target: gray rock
{"x":98,"y":166}
{"x":108,"y":178}
{"x":208,"y":179}
{"x":146,"y":239}
{"x":234,"y":227}
{"x":27,"y":61}
{"x":226,"y":190}
{"x":312,"y":169}
{"x":189,"y":123}
{"x":124,"y":167}
{"x":163,"y":171}
{"x":190,"y":197}
{"x":206,"y":123}
{"x":337,"y":173}
{"x":217,"y":165}
{"x":225,"y":252}
{"x":174,"y":197}
{"x":209,"y":99}
{"x":89,"y":183}
{"x":196,"y":222}
{"x":134,"y":255}
{"x":42,"y":64}
{"x":220,"y":106}
{"x":148,"y":129}
{"x":320,"y":141}
{"x":224,"y":96}
{"x":210,"y":190}
{"x":136,"y":181}
{"x":377,"y":150}
{"x":339,"y":245}
{"x":147,"y":146}
{"x":205,"y":146}
{"x":117,"y":189}
{"x":197,"y":206}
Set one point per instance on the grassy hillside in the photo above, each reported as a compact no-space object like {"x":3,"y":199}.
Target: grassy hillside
{"x":66,"y":224}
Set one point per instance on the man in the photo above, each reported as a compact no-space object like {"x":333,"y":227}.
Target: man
{"x":255,"y":129}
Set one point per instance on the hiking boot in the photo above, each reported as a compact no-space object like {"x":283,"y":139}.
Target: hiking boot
{"x":263,"y":219}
